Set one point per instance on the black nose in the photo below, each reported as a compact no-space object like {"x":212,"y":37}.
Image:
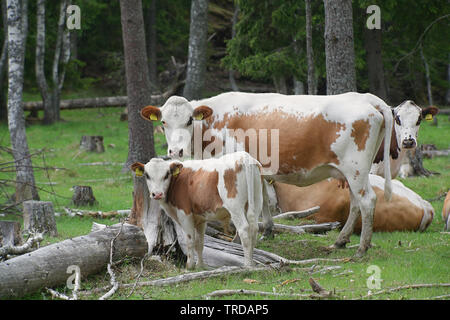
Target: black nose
{"x":409,"y":143}
{"x":170,"y":151}
{"x":180,"y":153}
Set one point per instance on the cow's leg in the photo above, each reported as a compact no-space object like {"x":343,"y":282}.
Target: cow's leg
{"x":199,"y":242}
{"x":367,"y":205}
{"x":245,"y":234}
{"x":187,"y":224}
{"x":266,"y":215}
{"x":347,"y":230}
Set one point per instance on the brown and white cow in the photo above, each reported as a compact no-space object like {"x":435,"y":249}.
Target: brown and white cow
{"x":196,"y":191}
{"x":310,"y":138}
{"x":406,"y":211}
{"x":405,"y":130}
{"x":446,"y":212}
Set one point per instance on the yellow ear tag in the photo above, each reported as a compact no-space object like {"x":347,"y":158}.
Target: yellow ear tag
{"x":139,"y":172}
{"x":199,"y":117}
{"x":429,"y":117}
{"x":153,"y":117}
{"x":271,"y":181}
{"x":176,"y":172}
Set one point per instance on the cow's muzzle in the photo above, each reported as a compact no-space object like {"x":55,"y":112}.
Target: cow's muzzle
{"x":157,"y":195}
{"x":409,"y":143}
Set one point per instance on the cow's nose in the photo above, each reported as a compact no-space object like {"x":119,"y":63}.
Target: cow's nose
{"x":157,"y":195}
{"x":409,"y":143}
{"x":180,"y":153}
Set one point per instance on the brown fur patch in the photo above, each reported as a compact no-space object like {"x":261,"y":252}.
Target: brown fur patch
{"x":360,"y":133}
{"x":148,"y":111}
{"x":195,"y":191}
{"x":304,"y":143}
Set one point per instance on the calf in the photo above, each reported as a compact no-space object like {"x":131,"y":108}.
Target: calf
{"x":446,"y":212}
{"x":405,"y":129}
{"x":310,"y":138}
{"x":196,"y":191}
{"x":406,"y":211}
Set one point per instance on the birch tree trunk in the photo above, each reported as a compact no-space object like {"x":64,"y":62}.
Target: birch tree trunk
{"x":39,"y":61}
{"x":309,"y":50}
{"x":25,"y":183}
{"x":428,"y":77}
{"x":145,"y":212}
{"x":373,"y":46}
{"x":339,"y":47}
{"x":196,"y":65}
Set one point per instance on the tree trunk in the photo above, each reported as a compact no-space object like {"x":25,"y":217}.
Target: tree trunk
{"x":3,"y":63}
{"x":339,"y":47}
{"x":309,"y":50}
{"x":47,"y":267}
{"x":92,"y":144}
{"x":39,"y":216}
{"x":39,"y":64}
{"x":152,"y":45}
{"x":373,"y":46}
{"x":196,"y":66}
{"x":25,"y":183}
{"x":145,"y":212}
{"x":428,"y":77}
{"x":233,"y":83}
{"x":447,"y":97}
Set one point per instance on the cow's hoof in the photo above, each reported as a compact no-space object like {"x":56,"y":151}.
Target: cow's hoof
{"x":360,"y":253}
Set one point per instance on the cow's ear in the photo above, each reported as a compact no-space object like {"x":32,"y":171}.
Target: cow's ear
{"x":151,"y":113}
{"x":430,"y":110}
{"x":175,"y":168}
{"x":138,"y":168}
{"x":202,"y":112}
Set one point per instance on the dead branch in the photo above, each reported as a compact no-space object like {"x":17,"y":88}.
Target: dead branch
{"x":317,"y":288}
{"x":228,"y":292}
{"x":297,"y":214}
{"x":409,"y":286}
{"x":18,"y":250}
{"x":309,"y":228}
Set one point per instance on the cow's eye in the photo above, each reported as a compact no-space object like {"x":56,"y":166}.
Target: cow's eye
{"x":167,"y":175}
{"x":147,"y":176}
{"x":189,"y":122}
{"x":397,"y":120}
{"x":163,"y":122}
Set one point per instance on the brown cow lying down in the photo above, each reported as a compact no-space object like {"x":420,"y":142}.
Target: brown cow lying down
{"x":407,"y":211}
{"x":446,"y":212}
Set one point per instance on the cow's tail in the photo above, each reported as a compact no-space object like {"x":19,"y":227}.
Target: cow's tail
{"x":388,"y":121}
{"x":254,"y":192}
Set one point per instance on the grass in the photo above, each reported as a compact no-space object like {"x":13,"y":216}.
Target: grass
{"x":403,"y":257}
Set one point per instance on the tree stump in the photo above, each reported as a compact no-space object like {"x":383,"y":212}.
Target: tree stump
{"x":414,"y":164}
{"x":82,"y":196}
{"x":10,"y":233}
{"x":92,"y":144}
{"x":39,"y":216}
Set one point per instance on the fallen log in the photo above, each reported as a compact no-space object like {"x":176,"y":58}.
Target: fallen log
{"x":47,"y":266}
{"x":297,"y":214}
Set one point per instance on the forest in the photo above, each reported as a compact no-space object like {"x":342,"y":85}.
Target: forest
{"x":76,"y":77}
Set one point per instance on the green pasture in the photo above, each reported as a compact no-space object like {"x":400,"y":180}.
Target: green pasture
{"x":403,"y":257}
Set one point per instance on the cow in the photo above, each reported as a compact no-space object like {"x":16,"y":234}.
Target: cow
{"x":446,"y":212}
{"x":406,"y":211}
{"x":196,"y":191}
{"x":310,"y":137}
{"x":405,"y":130}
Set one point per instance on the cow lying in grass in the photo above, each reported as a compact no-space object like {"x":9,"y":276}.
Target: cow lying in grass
{"x":406,"y":211}
{"x":446,"y":212}
{"x":196,"y":191}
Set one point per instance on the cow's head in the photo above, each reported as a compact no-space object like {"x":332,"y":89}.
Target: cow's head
{"x":177,"y":117}
{"x":158,"y":174}
{"x":407,"y":118}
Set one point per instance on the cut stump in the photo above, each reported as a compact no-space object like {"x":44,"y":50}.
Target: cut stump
{"x":92,"y":144}
{"x":10,"y":233}
{"x":39,"y":216}
{"x":83,"y":195}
